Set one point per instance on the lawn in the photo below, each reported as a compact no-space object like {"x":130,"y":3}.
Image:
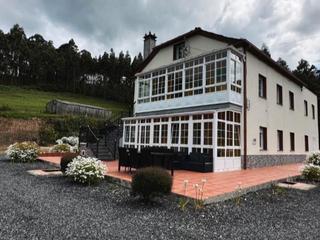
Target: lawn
{"x":18,"y":102}
{"x":34,"y":207}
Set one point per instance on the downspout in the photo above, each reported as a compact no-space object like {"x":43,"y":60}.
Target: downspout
{"x":245,"y":110}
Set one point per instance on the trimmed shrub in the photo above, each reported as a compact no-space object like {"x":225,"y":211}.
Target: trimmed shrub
{"x":311,"y":172}
{"x":151,"y":182}
{"x":86,"y":170}
{"x":61,"y":148}
{"x":23,"y":152}
{"x":314,"y":159}
{"x":65,"y":160}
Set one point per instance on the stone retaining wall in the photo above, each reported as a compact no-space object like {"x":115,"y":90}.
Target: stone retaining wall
{"x":255,"y":161}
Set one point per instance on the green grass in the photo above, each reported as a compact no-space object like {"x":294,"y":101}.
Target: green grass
{"x":26,"y":103}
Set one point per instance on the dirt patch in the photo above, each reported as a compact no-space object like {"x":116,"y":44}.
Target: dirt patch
{"x":14,"y":130}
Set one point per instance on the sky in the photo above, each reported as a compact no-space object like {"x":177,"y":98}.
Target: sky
{"x":290,"y":28}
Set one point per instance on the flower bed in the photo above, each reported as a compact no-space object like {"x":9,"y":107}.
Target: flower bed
{"x":86,"y":170}
{"x":23,"y":152}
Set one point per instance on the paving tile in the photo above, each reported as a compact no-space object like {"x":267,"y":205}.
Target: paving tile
{"x":216,"y":183}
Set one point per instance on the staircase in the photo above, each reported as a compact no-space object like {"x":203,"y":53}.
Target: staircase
{"x":103,"y":143}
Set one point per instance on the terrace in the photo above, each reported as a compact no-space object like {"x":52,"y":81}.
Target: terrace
{"x":218,"y":186}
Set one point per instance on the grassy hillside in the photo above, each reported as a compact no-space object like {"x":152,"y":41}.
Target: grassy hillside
{"x":27,"y":103}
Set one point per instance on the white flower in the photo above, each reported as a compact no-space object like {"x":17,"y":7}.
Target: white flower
{"x":86,"y":169}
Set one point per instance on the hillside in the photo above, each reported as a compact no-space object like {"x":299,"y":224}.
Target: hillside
{"x":25,"y":103}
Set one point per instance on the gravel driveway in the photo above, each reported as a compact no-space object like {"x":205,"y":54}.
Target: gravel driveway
{"x":54,"y":208}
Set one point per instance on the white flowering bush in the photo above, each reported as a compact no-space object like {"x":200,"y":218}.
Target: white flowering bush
{"x":72,"y":140}
{"x":66,"y":144}
{"x":23,"y":152}
{"x":314,"y":159}
{"x":311,"y":172}
{"x":86,"y":170}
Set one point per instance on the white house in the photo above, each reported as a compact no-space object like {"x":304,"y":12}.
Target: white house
{"x":222,"y":96}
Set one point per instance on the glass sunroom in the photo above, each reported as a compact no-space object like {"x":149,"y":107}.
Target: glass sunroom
{"x":191,"y":106}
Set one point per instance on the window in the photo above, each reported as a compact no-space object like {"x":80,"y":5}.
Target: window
{"x":193,"y":77}
{"x":221,"y":134}
{"x":158,"y":85}
{"x":306,"y":143}
{"x":279,"y":94}
{"x":132,"y":136}
{"x":292,"y":142}
{"x":175,"y":133}
{"x":262,"y":86}
{"x":207,"y":136}
{"x":175,"y":82}
{"x":291,"y":100}
{"x":313,"y":112}
{"x":196,"y":133}
{"x":126,"y":139}
{"x":263,"y":138}
{"x":280,"y":140}
{"x":178,"y":50}
{"x":144,"y":90}
{"x":184,"y":133}
{"x":305,"y":108}
{"x":156,"y":133}
{"x":164,"y":133}
{"x":235,"y":74}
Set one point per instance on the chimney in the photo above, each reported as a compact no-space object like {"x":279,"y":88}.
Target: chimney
{"x":149,"y":44}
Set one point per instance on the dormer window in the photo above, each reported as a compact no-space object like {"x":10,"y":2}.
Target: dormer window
{"x":178,"y":50}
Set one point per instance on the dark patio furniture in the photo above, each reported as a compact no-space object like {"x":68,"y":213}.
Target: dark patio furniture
{"x":199,"y":162}
{"x":124,"y":159}
{"x":164,"y":160}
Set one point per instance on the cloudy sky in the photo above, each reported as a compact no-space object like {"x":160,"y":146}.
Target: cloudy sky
{"x":290,"y":28}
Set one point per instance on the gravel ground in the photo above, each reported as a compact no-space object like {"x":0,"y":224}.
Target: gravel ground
{"x":54,"y":208}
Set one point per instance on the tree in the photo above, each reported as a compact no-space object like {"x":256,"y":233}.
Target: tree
{"x":283,"y":63}
{"x":265,"y":49}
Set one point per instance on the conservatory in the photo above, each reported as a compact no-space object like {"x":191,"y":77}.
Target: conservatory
{"x":191,"y":106}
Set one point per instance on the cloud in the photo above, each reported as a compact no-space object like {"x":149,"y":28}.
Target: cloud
{"x":291,"y":29}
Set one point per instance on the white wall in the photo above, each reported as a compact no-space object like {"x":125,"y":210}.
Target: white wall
{"x":268,"y":113}
{"x":198,"y":45}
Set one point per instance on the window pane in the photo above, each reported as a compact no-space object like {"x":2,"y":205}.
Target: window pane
{"x":132,"y":134}
{"x":184,"y":133}
{"x":207,"y":133}
{"x":221,"y":134}
{"x":127,"y":132}
{"x":175,"y":133}
{"x":197,"y":133}
{"x":156,"y":133}
{"x":164,"y":134}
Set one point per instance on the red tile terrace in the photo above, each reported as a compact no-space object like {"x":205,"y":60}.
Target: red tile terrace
{"x":218,"y":186}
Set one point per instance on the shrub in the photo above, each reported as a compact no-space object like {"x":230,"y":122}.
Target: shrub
{"x":4,"y":108}
{"x":65,"y":160}
{"x":47,"y":135}
{"x":311,"y":172}
{"x":314,"y":159}
{"x":86,"y":170}
{"x":151,"y":182}
{"x":23,"y":152}
{"x":61,"y":148}
{"x":72,"y":140}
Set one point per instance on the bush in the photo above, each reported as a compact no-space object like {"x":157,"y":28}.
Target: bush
{"x":151,"y":182}
{"x":23,"y":152}
{"x":61,"y":148}
{"x":65,"y":160}
{"x":314,"y":159}
{"x":4,"y":108}
{"x":311,"y":172}
{"x":47,"y":135}
{"x":86,"y":170}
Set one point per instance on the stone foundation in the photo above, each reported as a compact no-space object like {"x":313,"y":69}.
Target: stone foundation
{"x":256,"y":161}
